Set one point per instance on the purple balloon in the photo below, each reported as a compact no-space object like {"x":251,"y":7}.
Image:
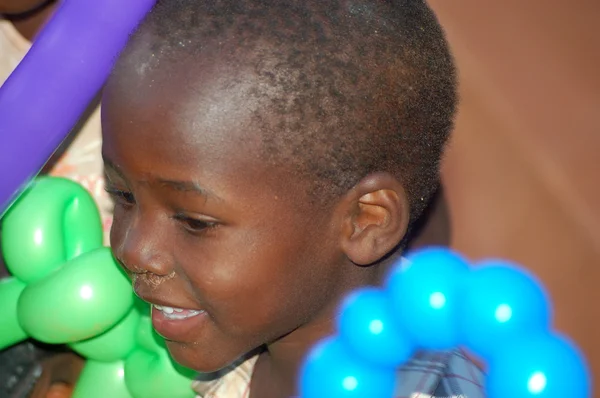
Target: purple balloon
{"x":45,"y":96}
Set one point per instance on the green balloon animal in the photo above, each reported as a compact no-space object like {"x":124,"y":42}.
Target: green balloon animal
{"x":66,"y":288}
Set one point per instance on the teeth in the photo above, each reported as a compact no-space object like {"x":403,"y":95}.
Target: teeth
{"x":176,"y":313}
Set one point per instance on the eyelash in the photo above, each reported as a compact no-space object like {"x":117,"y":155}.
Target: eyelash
{"x":192,"y":225}
{"x":120,"y":197}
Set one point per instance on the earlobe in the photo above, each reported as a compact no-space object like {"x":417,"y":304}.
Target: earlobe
{"x":377,"y":218}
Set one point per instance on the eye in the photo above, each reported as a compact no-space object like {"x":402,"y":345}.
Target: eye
{"x":120,"y":196}
{"x":194,"y":225}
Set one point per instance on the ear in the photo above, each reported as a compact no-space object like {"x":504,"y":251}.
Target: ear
{"x":377,"y":214}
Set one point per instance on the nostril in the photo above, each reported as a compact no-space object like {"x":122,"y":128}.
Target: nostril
{"x":129,"y":269}
{"x":153,"y":280}
{"x":140,"y":253}
{"x":150,"y":279}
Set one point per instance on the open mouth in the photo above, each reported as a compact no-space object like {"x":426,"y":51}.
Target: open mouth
{"x":176,"y":313}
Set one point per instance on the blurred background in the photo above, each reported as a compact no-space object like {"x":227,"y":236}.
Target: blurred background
{"x":522,"y":177}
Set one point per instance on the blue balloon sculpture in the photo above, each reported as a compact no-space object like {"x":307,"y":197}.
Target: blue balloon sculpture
{"x":544,"y":365}
{"x":333,"y":371}
{"x":368,"y":326}
{"x":427,"y":297}
{"x":502,"y":302}
{"x":433,"y":301}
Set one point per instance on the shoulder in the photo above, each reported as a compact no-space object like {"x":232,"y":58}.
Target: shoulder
{"x":440,"y":374}
{"x":426,"y":374}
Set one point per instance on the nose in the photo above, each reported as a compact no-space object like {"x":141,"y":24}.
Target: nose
{"x":140,"y":247}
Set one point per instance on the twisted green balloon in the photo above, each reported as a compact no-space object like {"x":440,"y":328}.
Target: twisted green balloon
{"x":54,"y":221}
{"x":113,"y":345}
{"x":150,"y":371}
{"x":84,"y":298}
{"x":102,"y":380}
{"x":67,"y":289}
{"x":11,"y":331}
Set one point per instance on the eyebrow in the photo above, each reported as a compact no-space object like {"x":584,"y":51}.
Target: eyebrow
{"x":187,"y":186}
{"x":180,"y":186}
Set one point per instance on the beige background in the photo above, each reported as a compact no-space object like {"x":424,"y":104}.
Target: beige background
{"x":523,"y":174}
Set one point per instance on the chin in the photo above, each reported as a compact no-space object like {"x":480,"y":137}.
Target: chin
{"x":192,"y":357}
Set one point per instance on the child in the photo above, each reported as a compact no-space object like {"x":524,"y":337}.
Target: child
{"x":268,"y":157}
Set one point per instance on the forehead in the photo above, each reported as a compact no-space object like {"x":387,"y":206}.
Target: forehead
{"x":181,"y":97}
{"x":191,"y":94}
{"x":189,"y":119}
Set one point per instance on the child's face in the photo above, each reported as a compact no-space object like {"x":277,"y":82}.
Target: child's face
{"x":19,"y":6}
{"x":202,"y":223}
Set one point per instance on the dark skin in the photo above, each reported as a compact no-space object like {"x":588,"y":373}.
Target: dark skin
{"x":249,"y":247}
{"x":59,"y":376}
{"x":283,"y":356}
{"x":28,"y":16}
{"x":61,"y":372}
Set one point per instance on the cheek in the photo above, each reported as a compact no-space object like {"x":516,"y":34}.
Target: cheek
{"x":260,"y":281}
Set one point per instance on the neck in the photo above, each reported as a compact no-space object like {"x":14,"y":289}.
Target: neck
{"x":385,"y":266}
{"x":29,"y":23}
{"x":278,"y":367}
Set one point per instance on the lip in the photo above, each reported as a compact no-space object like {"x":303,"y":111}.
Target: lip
{"x":164,"y":303}
{"x":180,"y":330}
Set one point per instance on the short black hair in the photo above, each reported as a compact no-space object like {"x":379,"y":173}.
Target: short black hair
{"x":358,"y":86}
